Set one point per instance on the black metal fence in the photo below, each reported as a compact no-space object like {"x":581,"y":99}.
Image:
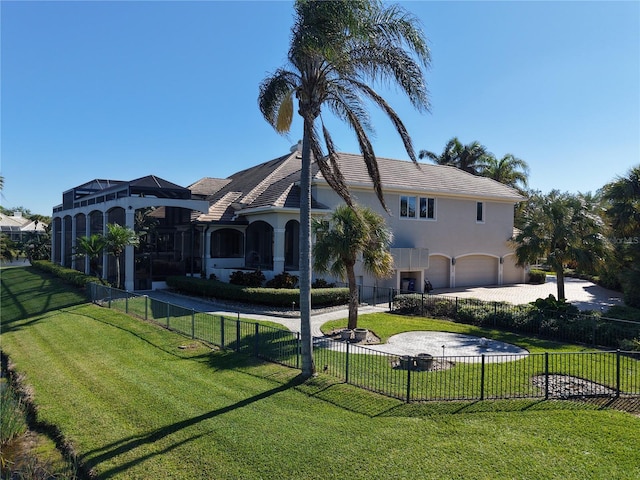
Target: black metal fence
{"x":586,"y":328}
{"x":409,"y":378}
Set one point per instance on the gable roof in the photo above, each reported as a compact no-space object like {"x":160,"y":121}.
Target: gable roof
{"x":274,"y":184}
{"x":270,"y":184}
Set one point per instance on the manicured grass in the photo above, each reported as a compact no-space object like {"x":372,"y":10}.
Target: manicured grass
{"x":386,"y":325}
{"x":471,"y":380}
{"x":136,"y":405}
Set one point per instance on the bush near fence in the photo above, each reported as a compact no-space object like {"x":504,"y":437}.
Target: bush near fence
{"x":67,"y":275}
{"x":563,"y":323}
{"x":275,"y":297}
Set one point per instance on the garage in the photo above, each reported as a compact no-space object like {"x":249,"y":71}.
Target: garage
{"x":438,"y":271}
{"x":476,"y":270}
{"x":510,"y":272}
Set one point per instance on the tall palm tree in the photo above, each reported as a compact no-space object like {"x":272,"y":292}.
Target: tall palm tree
{"x":465,"y":157}
{"x":622,"y":204}
{"x":118,"y":238}
{"x":563,"y":228}
{"x":623,"y":197}
{"x":349,"y":232}
{"x":509,"y":170}
{"x":336,"y":48}
{"x":91,"y":247}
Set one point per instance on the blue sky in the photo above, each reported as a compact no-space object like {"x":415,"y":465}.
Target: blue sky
{"x":120,"y":90}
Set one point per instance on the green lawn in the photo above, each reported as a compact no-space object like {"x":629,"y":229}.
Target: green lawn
{"x":134,"y":404}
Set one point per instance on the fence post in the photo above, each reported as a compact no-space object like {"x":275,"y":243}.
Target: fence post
{"x":618,"y":373}
{"x":409,"y":379}
{"x":257,"y":337}
{"x":146,"y":307}
{"x":193,"y":323}
{"x":110,"y":297}
{"x":455,"y":313}
{"x":222,"y":331}
{"x":546,"y":375}
{"x":346,"y":365}
{"x":482,"y":379}
{"x":238,"y":335}
{"x":422,"y":305}
{"x":495,"y":313}
{"x":298,"y":347}
{"x":126,"y":304}
{"x":168,"y":313}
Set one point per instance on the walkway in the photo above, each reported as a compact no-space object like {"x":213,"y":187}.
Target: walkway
{"x":585,"y":295}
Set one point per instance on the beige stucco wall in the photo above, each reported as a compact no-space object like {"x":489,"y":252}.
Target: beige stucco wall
{"x":453,"y":234}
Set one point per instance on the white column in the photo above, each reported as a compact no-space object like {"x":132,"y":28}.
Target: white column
{"x":54,"y":244}
{"x":105,"y":255}
{"x":74,"y":232}
{"x":62,"y":243}
{"x":500,"y":270}
{"x":87,"y":231}
{"x":129,"y":252}
{"x":452,"y":274}
{"x":278,"y":250}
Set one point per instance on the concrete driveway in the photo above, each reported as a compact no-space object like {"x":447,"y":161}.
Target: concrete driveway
{"x":581,"y":293}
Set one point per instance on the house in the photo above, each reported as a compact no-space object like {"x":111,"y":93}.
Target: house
{"x":17,"y":227}
{"x":449,"y":226}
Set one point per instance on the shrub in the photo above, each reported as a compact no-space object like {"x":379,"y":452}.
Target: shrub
{"x":322,"y":283}
{"x":283,"y":280}
{"x":408,"y":304}
{"x":68,"y":275}
{"x":632,"y":345}
{"x":551,"y":307}
{"x":12,"y":414}
{"x":256,"y":295}
{"x":247,"y":279}
{"x":537,"y":276}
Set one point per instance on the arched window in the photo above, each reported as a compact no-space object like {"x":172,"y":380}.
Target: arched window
{"x":291,"y":245}
{"x":227,"y":243}
{"x":259,"y":251}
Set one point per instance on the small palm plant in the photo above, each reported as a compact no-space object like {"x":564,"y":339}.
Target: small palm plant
{"x":91,"y":247}
{"x":118,"y":238}
{"x":340,"y":239}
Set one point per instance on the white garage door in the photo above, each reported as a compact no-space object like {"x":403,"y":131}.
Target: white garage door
{"x":438,"y":271}
{"x":511,"y":273}
{"x":476,"y":270}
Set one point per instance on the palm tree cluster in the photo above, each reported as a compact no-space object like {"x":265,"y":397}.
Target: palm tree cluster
{"x":564,"y":229}
{"x":115,"y":242}
{"x":337,"y":49}
{"x":621,"y":199}
{"x":474,"y":158}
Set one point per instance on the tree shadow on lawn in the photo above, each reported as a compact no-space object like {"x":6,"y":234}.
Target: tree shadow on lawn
{"x":43,"y":295}
{"x":129,"y":444}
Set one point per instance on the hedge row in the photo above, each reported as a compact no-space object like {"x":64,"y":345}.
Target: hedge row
{"x":275,"y":297}
{"x":67,"y":275}
{"x":562,"y":323}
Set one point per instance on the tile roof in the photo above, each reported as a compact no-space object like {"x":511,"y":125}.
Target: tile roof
{"x":274,"y":184}
{"x":208,"y":186}
{"x":428,"y":178}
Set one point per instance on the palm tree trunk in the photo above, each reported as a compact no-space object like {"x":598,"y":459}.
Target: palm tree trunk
{"x":353,"y":298}
{"x":117,"y":271}
{"x":560,"y":282}
{"x":308,"y":366}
